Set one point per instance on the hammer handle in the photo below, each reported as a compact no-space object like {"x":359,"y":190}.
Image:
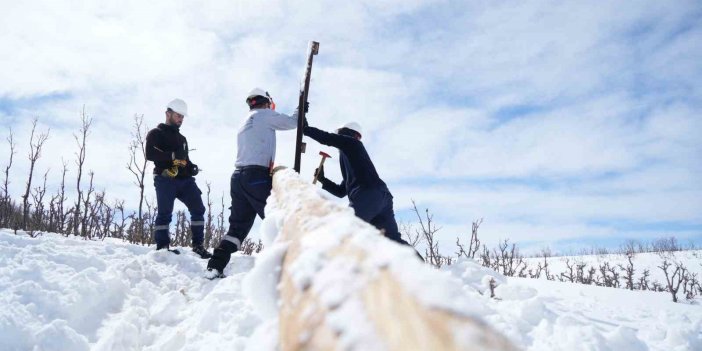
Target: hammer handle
{"x":321,"y":163}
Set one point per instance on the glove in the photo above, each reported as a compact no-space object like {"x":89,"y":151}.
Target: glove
{"x":277,"y":168}
{"x":307,"y":106}
{"x":304,"y":123}
{"x":193,"y":169}
{"x":179,"y":163}
{"x":170,"y":172}
{"x":319,"y":173}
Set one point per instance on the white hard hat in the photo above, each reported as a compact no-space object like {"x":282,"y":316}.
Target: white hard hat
{"x":258,"y":92}
{"x":353,"y":126}
{"x":178,"y":106}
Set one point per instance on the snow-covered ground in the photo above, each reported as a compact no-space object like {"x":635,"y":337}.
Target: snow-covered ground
{"x":59,"y":293}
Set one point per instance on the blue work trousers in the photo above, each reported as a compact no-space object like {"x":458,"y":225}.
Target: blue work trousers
{"x":185,"y":190}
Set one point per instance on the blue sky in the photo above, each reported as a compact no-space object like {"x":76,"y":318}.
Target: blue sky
{"x":557,"y":123}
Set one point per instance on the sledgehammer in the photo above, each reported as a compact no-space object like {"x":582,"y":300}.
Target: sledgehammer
{"x":321,"y":164}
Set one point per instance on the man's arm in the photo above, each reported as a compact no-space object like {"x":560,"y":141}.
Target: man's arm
{"x":153,"y":153}
{"x":281,"y":121}
{"x":338,"y":190}
{"x":333,"y":188}
{"x":338,"y":141}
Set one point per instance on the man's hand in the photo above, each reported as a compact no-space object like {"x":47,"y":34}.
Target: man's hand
{"x":304,"y":122}
{"x":180,"y":163}
{"x":319,"y":173}
{"x":307,"y":106}
{"x":193,"y":169}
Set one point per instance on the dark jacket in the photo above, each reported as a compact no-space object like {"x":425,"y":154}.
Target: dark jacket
{"x":356,"y":166}
{"x":161,"y":144}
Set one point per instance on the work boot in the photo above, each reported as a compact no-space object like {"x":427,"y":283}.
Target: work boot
{"x":221,"y":256}
{"x":201,"y":251}
{"x":213,"y":273}
{"x":166,"y":246}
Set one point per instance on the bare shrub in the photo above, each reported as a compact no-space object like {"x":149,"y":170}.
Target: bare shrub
{"x":674,"y":279}
{"x":407,"y":231}
{"x":665,"y":245}
{"x":248,"y":247}
{"x":428,"y":231}
{"x":474,"y":244}
{"x":629,"y":270}
{"x":570,"y":275}
{"x":643,"y":283}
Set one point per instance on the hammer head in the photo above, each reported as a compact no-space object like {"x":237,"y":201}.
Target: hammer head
{"x":324,"y":154}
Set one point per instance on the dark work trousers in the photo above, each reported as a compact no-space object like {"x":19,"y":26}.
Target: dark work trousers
{"x":185,"y":190}
{"x":375,"y":207}
{"x":250,"y":187}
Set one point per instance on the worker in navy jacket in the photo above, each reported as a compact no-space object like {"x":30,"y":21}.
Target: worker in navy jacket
{"x":368,"y":195}
{"x":173,"y":179}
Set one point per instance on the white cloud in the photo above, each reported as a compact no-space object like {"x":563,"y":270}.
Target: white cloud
{"x":562,"y":114}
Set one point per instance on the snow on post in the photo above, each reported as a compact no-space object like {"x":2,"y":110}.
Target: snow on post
{"x":343,"y":286}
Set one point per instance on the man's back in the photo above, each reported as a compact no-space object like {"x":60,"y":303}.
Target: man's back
{"x":356,"y":166}
{"x":256,"y":137}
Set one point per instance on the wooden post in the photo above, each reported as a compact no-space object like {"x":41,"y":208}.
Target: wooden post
{"x":387,"y":314}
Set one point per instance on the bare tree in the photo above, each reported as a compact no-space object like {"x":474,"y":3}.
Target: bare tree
{"x":219,"y":231}
{"x":120,"y":227}
{"x":429,"y":230}
{"x":474,"y":242}
{"x":80,"y":161}
{"x":60,"y":197}
{"x":209,"y":223}
{"x":412,"y":236}
{"x":152,"y":209}
{"x":35,"y":146}
{"x":629,"y":246}
{"x":665,"y":245}
{"x":38,"y":200}
{"x":5,"y":188}
{"x":182,"y":235}
{"x":6,"y":203}
{"x":137,"y":164}
{"x":85,"y":216}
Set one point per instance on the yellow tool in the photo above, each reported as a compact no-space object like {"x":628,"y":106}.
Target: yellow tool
{"x":170,"y":172}
{"x":173,"y":171}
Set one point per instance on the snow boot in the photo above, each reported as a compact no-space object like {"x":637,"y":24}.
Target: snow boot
{"x":201,"y":251}
{"x":159,"y":247}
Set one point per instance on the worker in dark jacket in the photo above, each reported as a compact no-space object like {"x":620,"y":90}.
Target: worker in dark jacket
{"x":368,"y":195}
{"x":173,"y":178}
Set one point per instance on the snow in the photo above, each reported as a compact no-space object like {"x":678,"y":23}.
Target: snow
{"x":691,"y":259}
{"x":65,"y":293}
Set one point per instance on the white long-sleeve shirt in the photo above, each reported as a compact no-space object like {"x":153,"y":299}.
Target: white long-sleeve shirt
{"x":256,"y":137}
